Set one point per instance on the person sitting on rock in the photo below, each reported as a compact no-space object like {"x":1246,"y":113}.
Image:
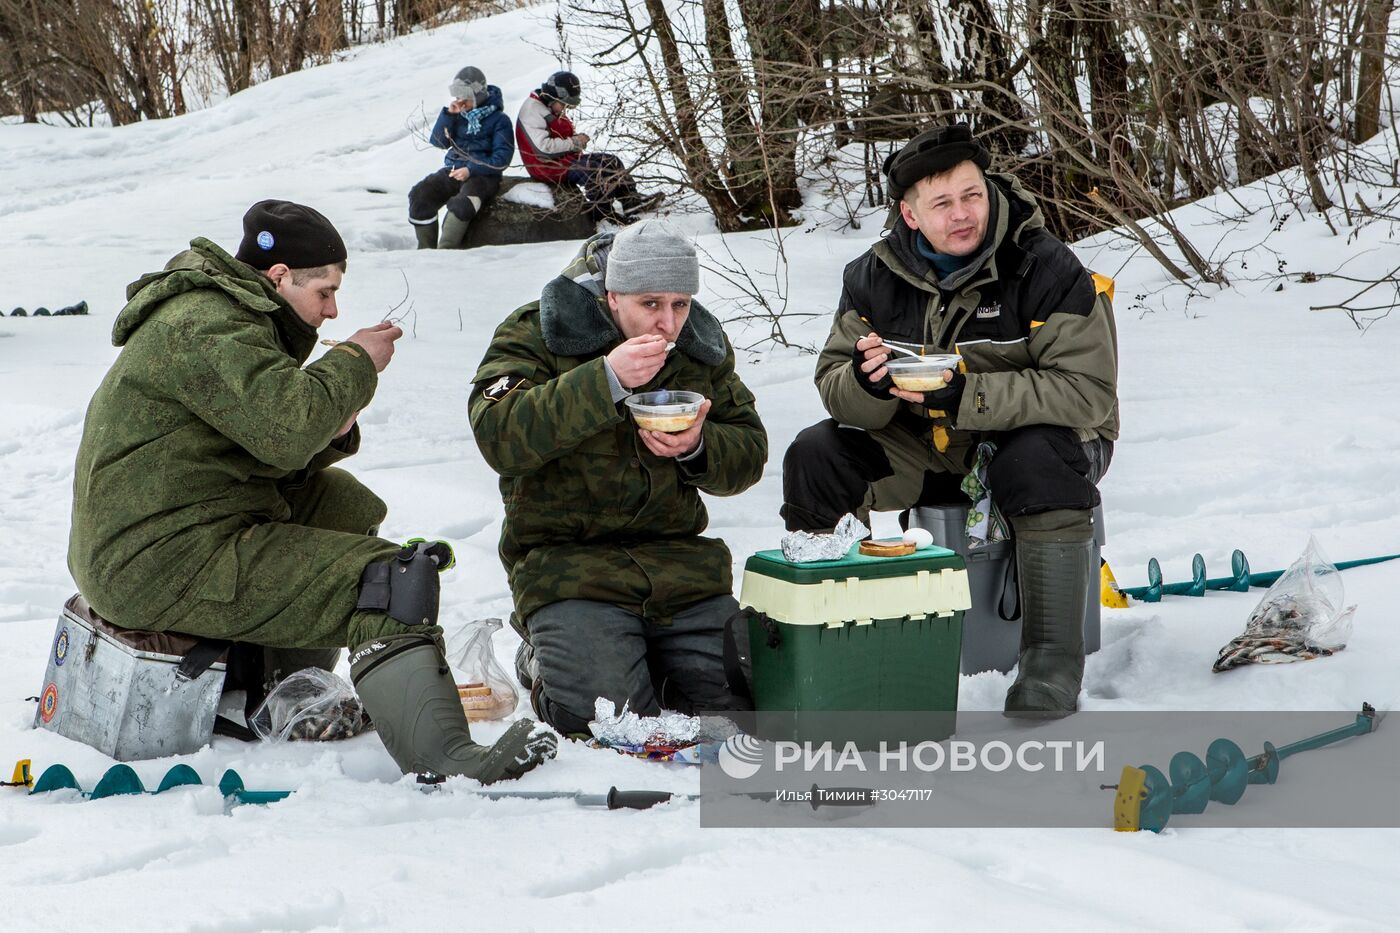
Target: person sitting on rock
{"x":475,"y":131}
{"x":553,"y":152}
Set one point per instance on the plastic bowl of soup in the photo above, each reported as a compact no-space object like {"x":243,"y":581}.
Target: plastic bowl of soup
{"x":666,"y":411}
{"x":923,"y":373}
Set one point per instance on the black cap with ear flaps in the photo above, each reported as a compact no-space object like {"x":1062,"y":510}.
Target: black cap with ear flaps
{"x":932,"y":151}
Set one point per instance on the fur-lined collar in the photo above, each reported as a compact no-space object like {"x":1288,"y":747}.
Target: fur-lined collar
{"x":575,"y":321}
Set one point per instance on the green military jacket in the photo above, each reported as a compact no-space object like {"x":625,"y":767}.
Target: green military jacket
{"x":590,"y":512}
{"x":204,"y":414}
{"x":1034,"y":327}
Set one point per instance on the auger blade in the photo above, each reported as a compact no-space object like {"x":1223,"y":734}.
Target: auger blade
{"x":1229,"y":771}
{"x":118,"y":780}
{"x":1190,"y":783}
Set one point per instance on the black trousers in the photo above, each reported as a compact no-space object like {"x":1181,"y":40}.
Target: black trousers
{"x":440,"y":189}
{"x":602,"y":176}
{"x":830,"y":470}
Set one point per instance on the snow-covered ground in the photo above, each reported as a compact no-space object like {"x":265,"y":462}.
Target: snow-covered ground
{"x":1248,"y":421}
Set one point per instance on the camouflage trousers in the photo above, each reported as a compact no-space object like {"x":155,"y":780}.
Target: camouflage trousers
{"x":294,"y":584}
{"x":586,"y":649}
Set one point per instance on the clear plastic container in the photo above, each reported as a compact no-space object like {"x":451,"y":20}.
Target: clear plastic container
{"x":665,"y":411}
{"x":921,"y":373}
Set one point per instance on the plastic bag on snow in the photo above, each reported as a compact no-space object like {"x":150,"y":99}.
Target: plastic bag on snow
{"x":311,"y":705}
{"x":1301,"y":616}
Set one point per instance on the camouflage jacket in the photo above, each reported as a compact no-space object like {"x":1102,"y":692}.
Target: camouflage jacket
{"x":1034,"y":327}
{"x":206,"y":412}
{"x":590,"y":512}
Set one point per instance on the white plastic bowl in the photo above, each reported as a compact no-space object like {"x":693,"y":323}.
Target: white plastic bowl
{"x":921,"y":374}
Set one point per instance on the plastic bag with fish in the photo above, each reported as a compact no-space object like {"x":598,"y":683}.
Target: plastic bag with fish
{"x":1301,"y":617}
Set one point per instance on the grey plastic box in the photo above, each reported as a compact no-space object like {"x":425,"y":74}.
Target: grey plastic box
{"x":989,"y":642}
{"x":117,"y":690}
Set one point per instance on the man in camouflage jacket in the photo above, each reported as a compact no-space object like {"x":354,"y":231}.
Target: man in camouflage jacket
{"x":968,"y":267}
{"x":205,"y":503}
{"x":616,"y":591}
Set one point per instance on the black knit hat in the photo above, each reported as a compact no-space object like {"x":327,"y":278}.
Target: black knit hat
{"x":932,"y":151}
{"x":294,"y":234}
{"x":562,"y":86}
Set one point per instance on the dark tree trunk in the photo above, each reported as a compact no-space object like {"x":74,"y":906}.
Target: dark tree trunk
{"x":684,"y":137}
{"x":743,"y":163}
{"x":1371,"y":79}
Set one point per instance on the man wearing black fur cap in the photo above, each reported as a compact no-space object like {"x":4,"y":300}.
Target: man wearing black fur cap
{"x":966,"y":266}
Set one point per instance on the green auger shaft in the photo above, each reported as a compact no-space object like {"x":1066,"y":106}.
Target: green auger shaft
{"x":121,"y":780}
{"x":1239,"y":580}
{"x":1225,"y":773}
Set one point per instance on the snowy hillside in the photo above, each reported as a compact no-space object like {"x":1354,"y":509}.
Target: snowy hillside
{"x":1248,"y":421}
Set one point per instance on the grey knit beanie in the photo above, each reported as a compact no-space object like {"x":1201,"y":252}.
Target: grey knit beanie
{"x":652,"y":256}
{"x":470,"y":84}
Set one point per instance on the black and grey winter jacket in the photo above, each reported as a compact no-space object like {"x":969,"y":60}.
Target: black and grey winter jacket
{"x":1034,"y":327}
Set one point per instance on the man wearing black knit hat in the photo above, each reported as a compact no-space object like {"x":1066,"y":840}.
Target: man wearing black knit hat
{"x":205,"y":502}
{"x":1031,"y":410}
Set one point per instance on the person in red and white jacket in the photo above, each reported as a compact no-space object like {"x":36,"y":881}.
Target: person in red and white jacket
{"x":553,"y":152}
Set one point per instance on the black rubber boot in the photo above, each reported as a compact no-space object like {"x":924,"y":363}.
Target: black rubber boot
{"x":427,"y":235}
{"x":281,"y":663}
{"x":526,"y":669}
{"x":634,"y":204}
{"x":1055,"y":584}
{"x":406,"y":687}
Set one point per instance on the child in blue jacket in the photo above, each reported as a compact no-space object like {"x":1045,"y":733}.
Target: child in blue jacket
{"x":479,"y":140}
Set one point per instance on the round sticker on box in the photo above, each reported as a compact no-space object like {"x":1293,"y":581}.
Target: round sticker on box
{"x":48,"y":703}
{"x":60,"y":647}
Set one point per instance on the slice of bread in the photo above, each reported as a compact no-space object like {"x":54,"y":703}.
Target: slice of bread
{"x":890,"y":547}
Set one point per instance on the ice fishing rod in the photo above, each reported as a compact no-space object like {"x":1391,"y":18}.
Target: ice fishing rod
{"x":121,"y":780}
{"x":1239,"y":580}
{"x":1146,"y":798}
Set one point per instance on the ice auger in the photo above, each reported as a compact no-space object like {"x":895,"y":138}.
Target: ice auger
{"x":1147,"y":798}
{"x":1239,"y":580}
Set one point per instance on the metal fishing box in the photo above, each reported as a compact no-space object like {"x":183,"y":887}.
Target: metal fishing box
{"x":122,"y":691}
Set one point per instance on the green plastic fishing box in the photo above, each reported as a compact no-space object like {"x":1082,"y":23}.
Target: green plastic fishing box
{"x":856,"y":636}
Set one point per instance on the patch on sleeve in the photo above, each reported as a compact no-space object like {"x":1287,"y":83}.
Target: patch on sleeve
{"x":500,"y":388}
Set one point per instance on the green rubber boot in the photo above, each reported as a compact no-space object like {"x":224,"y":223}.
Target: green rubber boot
{"x":281,"y":663}
{"x":406,"y":687}
{"x":1055,"y":578}
{"x":427,"y":235}
{"x":454,"y":232}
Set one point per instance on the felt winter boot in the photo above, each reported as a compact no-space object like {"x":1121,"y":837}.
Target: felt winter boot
{"x":406,"y":687}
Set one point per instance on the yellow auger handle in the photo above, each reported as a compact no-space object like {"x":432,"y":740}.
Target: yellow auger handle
{"x":1127,"y":805}
{"x":1109,"y":593}
{"x":23,"y":777}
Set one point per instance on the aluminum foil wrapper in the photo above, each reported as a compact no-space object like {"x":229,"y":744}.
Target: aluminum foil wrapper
{"x":803,"y":547}
{"x":627,"y":728}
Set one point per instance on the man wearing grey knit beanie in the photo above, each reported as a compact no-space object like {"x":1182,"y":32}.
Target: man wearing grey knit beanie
{"x":617,"y":594}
